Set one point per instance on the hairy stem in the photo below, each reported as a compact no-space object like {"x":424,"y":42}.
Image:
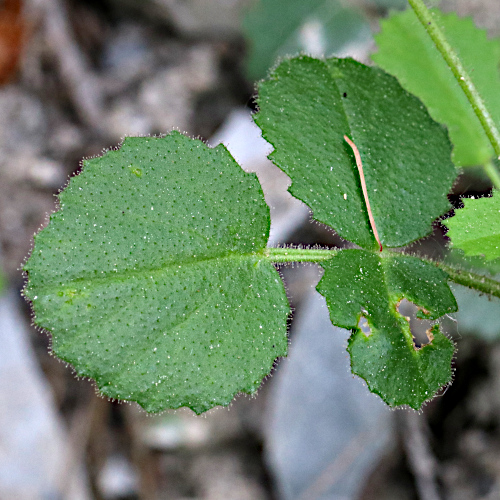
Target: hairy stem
{"x":471,"y":280}
{"x":465,"y":278}
{"x":462,"y":78}
{"x":299,"y":254}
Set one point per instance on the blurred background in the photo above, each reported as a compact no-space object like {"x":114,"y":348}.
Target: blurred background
{"x":75,"y":78}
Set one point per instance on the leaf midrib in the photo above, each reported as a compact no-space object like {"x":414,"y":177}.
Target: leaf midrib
{"x":124,"y":275}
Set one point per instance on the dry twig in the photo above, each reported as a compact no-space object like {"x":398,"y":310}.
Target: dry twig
{"x":81,"y":82}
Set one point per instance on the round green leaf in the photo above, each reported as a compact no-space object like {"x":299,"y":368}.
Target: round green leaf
{"x":306,"y":108}
{"x":150,"y":280}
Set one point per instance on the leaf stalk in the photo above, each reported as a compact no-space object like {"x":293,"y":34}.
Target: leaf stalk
{"x":282,"y":255}
{"x":471,"y":280}
{"x":317,"y":255}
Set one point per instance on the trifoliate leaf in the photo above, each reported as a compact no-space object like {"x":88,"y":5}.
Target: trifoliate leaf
{"x":476,"y":228}
{"x":306,"y":108}
{"x":359,"y":284}
{"x":406,"y":51}
{"x":149,"y":276}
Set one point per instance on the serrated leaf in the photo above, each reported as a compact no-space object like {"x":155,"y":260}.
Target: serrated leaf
{"x":476,"y":228}
{"x":276,"y":28}
{"x":308,"y":105}
{"x":149,"y":276}
{"x":406,"y":51}
{"x":359,"y":284}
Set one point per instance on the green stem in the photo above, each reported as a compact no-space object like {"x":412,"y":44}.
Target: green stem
{"x":462,"y":77}
{"x":466,"y":278}
{"x":299,"y":254}
{"x":471,"y":280}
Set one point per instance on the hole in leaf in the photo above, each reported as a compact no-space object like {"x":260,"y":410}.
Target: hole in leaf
{"x":364,"y":326}
{"x":420,"y":327}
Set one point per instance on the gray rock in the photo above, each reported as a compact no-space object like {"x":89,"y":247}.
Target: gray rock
{"x":34,"y":448}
